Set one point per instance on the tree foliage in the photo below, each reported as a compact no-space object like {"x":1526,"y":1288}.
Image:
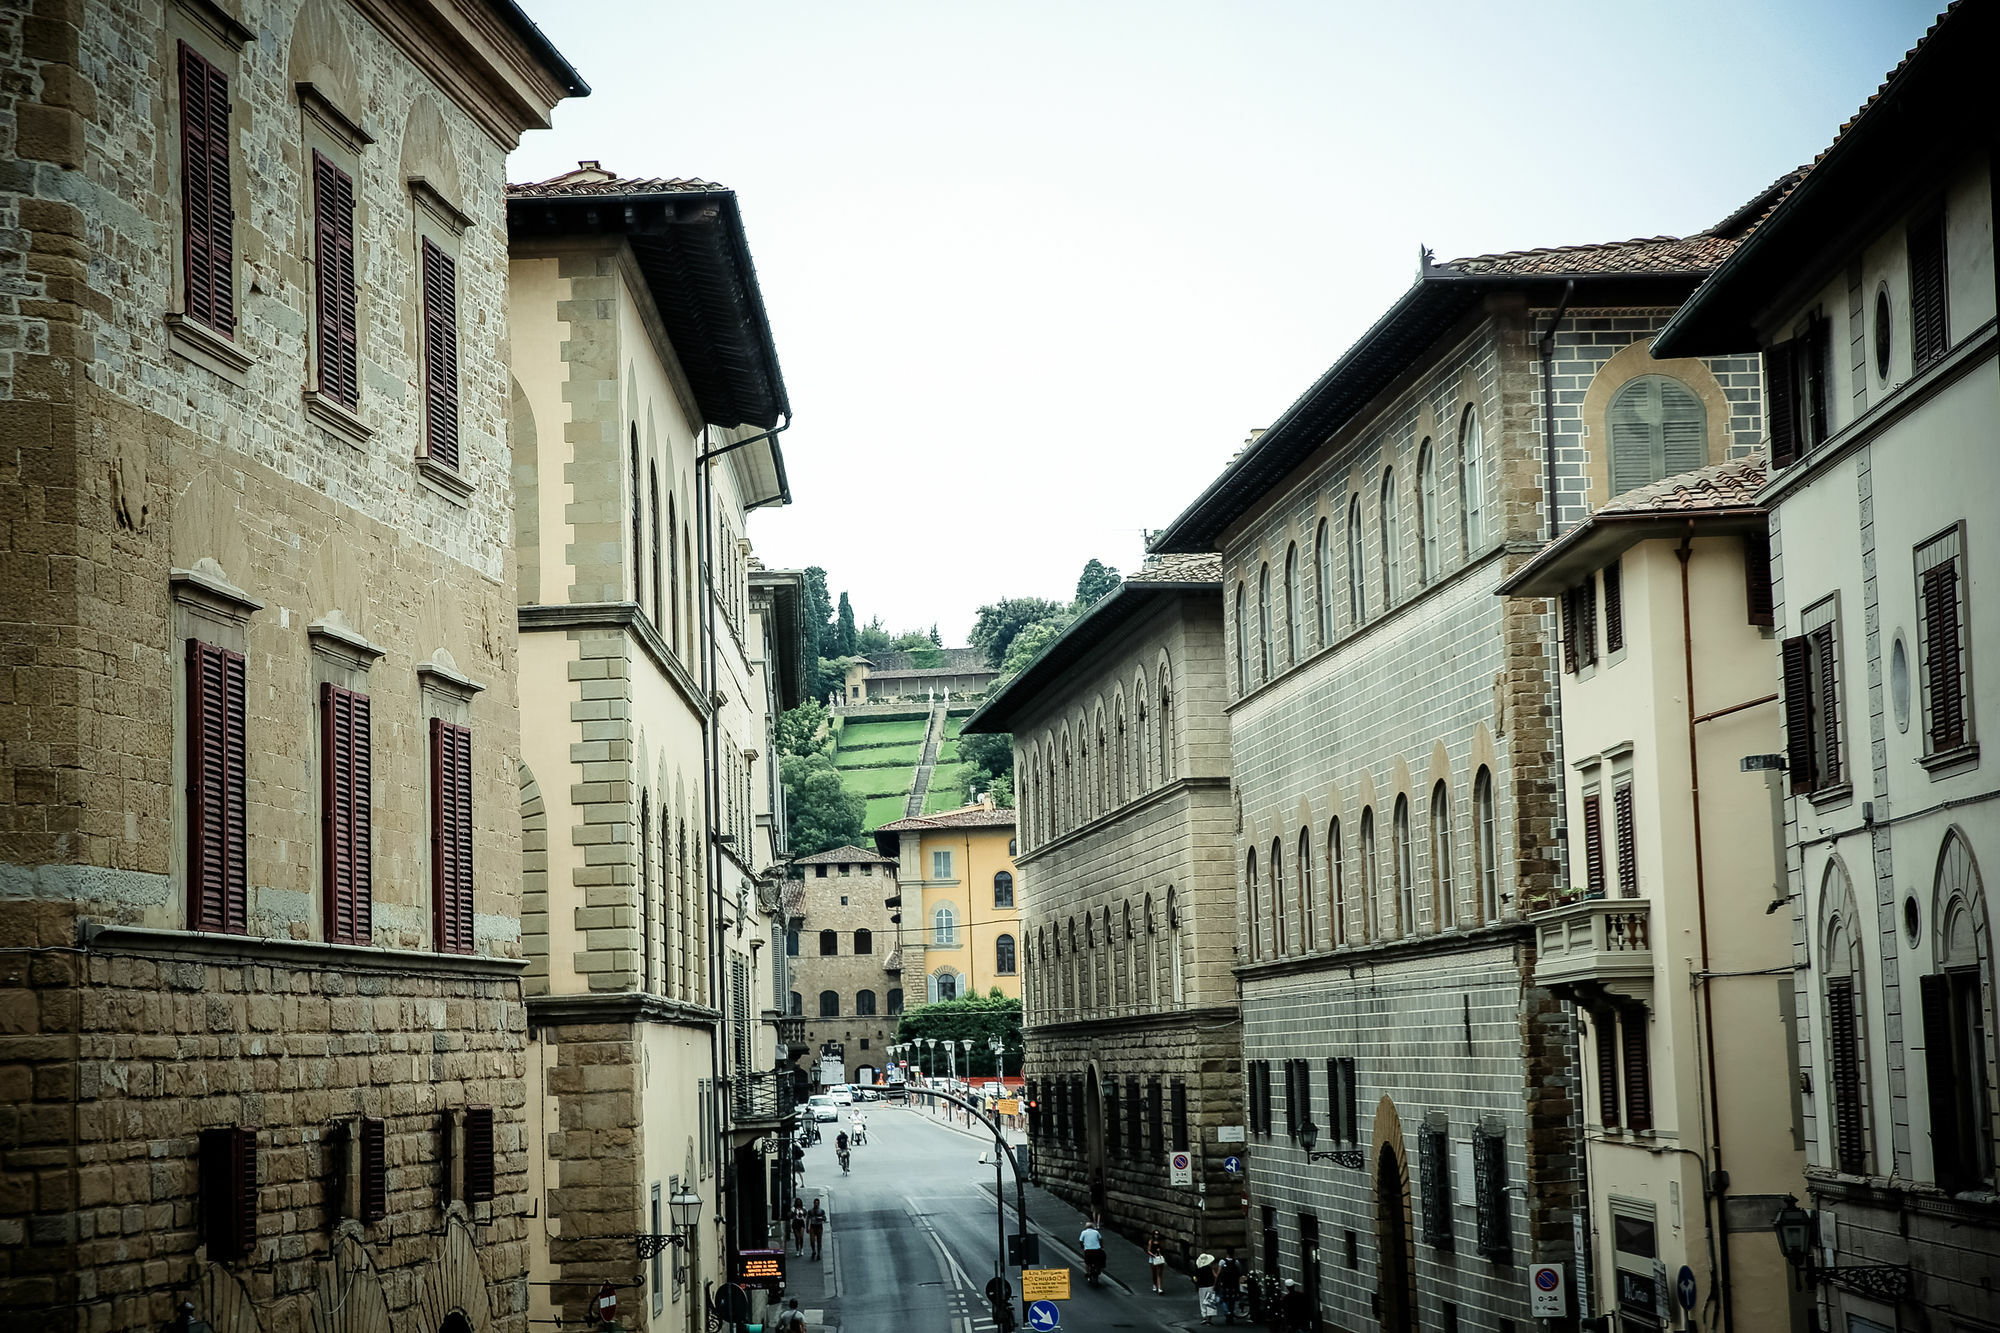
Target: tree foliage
{"x":979,"y":1017}
{"x":991,"y":759}
{"x":999,"y":622}
{"x":843,"y":629}
{"x":1096,"y":580}
{"x":821,"y":813}
{"x":1030,"y":641}
{"x":805,"y":730}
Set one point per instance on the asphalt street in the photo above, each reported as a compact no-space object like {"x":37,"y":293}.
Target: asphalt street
{"x":912,"y":1237}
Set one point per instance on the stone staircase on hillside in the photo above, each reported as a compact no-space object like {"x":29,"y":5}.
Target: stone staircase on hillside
{"x":933,"y":739}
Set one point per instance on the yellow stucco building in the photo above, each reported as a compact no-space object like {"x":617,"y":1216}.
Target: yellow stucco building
{"x":959,"y":932}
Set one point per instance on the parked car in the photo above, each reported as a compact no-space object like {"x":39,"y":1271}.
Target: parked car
{"x":841,"y":1096}
{"x":823,"y":1108}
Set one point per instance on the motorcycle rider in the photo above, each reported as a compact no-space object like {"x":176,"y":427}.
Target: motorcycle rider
{"x":1091,"y":1242}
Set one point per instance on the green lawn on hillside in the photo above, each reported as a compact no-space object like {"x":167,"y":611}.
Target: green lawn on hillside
{"x":952,"y":726}
{"x":882,"y":809}
{"x":937,"y":799}
{"x":877,"y":756}
{"x":879,"y":781}
{"x":948,"y":753}
{"x":859,"y":732}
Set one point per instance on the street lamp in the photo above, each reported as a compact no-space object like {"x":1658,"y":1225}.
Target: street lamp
{"x":1797,"y":1231}
{"x":1309,"y":1135}
{"x":684,"y":1212}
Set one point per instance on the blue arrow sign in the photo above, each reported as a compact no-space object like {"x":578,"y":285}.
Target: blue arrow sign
{"x":1684,"y":1287}
{"x":1233,"y":1165}
{"x":1044,"y":1316}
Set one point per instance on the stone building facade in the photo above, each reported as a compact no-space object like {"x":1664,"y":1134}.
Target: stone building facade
{"x":846,"y":972}
{"x":916,"y":677}
{"x":1872,"y":292}
{"x":661,"y":653}
{"x":264,"y":1044}
{"x":1411,"y":1092}
{"x":960,"y":932}
{"x":1128,"y":902}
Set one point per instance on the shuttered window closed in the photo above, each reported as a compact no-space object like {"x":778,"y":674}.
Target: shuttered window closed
{"x":1605,"y":1024}
{"x":1434,"y":1163}
{"x":1797,"y":675}
{"x":347,"y":815}
{"x":1658,"y":429}
{"x":1614,"y":608}
{"x":1943,"y":641}
{"x":440,"y":279}
{"x":1569,"y":630}
{"x":1593,"y":844}
{"x":1628,"y":847}
{"x":229,"y":1191}
{"x":451,"y":836}
{"x":1929,"y":334}
{"x":1638,"y":1071}
{"x":333,"y":281}
{"x":478,"y":1153}
{"x":1180,"y":1110}
{"x":208,"y":218}
{"x":218,"y":826}
{"x":1780,"y":362}
{"x":1757,"y":581}
{"x":374,"y":1147}
{"x":1843,"y":1050}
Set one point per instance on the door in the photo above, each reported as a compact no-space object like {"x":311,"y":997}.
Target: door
{"x":1393,"y":1243}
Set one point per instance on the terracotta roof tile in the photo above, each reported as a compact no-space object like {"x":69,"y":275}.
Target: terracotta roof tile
{"x":1645,"y":254}
{"x":1192,"y":567}
{"x":589,"y":179}
{"x":848,"y":855}
{"x":972,"y":817}
{"x":1730,"y":485}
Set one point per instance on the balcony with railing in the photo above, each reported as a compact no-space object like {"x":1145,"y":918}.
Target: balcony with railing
{"x":760,"y":1099}
{"x":792,"y":1030}
{"x":1598,"y":947}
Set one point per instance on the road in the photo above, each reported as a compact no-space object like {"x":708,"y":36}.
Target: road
{"x":912,"y":1237}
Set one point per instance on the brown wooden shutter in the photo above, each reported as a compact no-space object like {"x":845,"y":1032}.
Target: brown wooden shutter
{"x":1614,"y":608}
{"x":440,"y":278}
{"x":1829,"y":704}
{"x":1818,"y":356}
{"x":333,"y":264}
{"x":374,"y":1168}
{"x":218,"y":826}
{"x":1605,"y":1025}
{"x":1638,"y":1072}
{"x":1781,"y":393}
{"x":1628,"y":849}
{"x":1569,"y":630}
{"x":208,"y":218}
{"x":229,"y":1191}
{"x":478,"y":1153}
{"x":1593,"y":845}
{"x":346,"y":814}
{"x":1929,"y":337}
{"x":1943,"y":666}
{"x":1796,"y":655}
{"x":1586,"y":622}
{"x":451,"y":836}
{"x":1844,"y":1056}
{"x":1948,"y":1149}
{"x":1757,"y":594}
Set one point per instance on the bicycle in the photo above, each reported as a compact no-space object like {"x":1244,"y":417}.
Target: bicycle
{"x":845,"y":1158}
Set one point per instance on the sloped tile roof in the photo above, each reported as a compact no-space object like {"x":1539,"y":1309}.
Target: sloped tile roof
{"x":1644,"y":254}
{"x":590,"y":179}
{"x":1729,"y":485}
{"x":848,"y":855}
{"x":972,"y":817}
{"x":1180,"y":567}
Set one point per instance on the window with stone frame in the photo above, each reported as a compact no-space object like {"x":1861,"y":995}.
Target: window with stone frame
{"x":1336,"y":885}
{"x":1427,"y":512}
{"x":1930,"y":334}
{"x":1265,"y":649}
{"x":1178,"y":1092}
{"x":1955,"y":1030}
{"x":1847,"y":1074}
{"x":1658,"y":428}
{"x":1486,"y":848}
{"x":1489,"y":1174}
{"x":208,"y":211}
{"x":217,"y":800}
{"x":1406,"y":871}
{"x":1434,"y":1171}
{"x":1294,"y":607}
{"x":1323,"y":582}
{"x":1471,"y":483}
{"x":1242,"y":644}
{"x":347,"y":814}
{"x":1444,"y":892}
{"x":1812,"y":684}
{"x":451,"y":841}
{"x":1392,"y":540}
{"x":1796,"y":391}
{"x":1357,"y":568}
{"x":1943,"y":638}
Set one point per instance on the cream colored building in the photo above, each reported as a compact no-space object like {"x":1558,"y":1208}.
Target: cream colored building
{"x":1666,"y":939}
{"x":960,"y":932}
{"x":655,"y":653}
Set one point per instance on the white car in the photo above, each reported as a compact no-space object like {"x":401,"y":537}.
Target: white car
{"x":823,"y":1108}
{"x":841,"y":1096}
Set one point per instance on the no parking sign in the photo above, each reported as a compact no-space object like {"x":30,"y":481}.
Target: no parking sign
{"x":1181,"y":1169}
{"x":1545,"y":1291}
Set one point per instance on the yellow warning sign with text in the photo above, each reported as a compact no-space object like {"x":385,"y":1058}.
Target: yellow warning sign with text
{"x":1044,"y":1284}
{"x":1007,"y":1106}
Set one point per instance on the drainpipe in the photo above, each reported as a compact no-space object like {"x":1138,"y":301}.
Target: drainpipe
{"x":1717,"y":1182}
{"x":704,"y":505}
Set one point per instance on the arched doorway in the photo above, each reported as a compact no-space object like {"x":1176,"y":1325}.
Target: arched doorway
{"x":1393,"y":1243}
{"x":455,"y":1322}
{"x":1093,"y":1128}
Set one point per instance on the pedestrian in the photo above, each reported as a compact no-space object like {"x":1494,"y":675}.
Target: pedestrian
{"x":791,"y":1321}
{"x":1229,"y":1285}
{"x":798,"y":1227}
{"x":1295,"y":1308}
{"x":1204,"y":1287}
{"x":816,"y":1227}
{"x":1097,"y":1197}
{"x":1156,"y":1261}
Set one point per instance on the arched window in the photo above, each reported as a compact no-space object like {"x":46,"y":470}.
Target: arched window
{"x":1323,"y":583}
{"x":673,"y":579}
{"x":1277,"y":899}
{"x":1264,"y":622}
{"x":1336,"y":884}
{"x":1252,"y":888}
{"x":1847,"y":1067}
{"x":1406,"y":887}
{"x":1371,"y":882}
{"x":829,"y":943}
{"x":864,"y":1003}
{"x":791,"y":944}
{"x":1955,"y":1025}
{"x":1003,"y":889}
{"x":1145,"y":747}
{"x":646,"y":890}
{"x":864,"y":941}
{"x":896,"y":999}
{"x":1293,"y":609}
{"x":1392,"y":542}
{"x":944,"y":986}
{"x":1427,"y":512}
{"x":798,"y":1008}
{"x":829,"y":1004}
{"x":638,"y":526}
{"x":1444,"y":905}
{"x":1471,"y":483}
{"x":1003,"y":955}
{"x":1357,"y":569}
{"x":1242,"y":645}
{"x":653,"y":511}
{"x":1308,"y":928}
{"x":1658,"y":429}
{"x":1168,"y":768}
{"x":944,"y":928}
{"x":1485,"y":850}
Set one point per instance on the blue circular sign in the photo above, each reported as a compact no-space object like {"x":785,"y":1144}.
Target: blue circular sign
{"x":1233,"y":1165}
{"x":1684,"y":1287}
{"x":1043,"y":1316}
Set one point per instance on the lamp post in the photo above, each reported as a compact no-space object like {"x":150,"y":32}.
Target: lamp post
{"x":684,"y":1212}
{"x":1309,"y":1135}
{"x":1797,"y":1232}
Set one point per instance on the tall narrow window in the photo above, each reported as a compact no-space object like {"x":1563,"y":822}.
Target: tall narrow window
{"x":1294,"y":635}
{"x":1444,"y":908}
{"x":1486,"y":850}
{"x":1812,"y":703}
{"x":1632,"y":1025}
{"x":1371,"y":883}
{"x":1942,"y":634}
{"x":208,"y":217}
{"x":440,"y":274}
{"x":1278,"y":922}
{"x":638,"y":529}
{"x":333,"y":282}
{"x":653,"y":515}
{"x":451,"y":839}
{"x":1003,"y":955}
{"x":1242,"y":644}
{"x":1357,"y":573}
{"x":1955,"y":1031}
{"x":1427,"y":512}
{"x":1658,"y":429}
{"x":1264,"y":648}
{"x":1392,"y":541}
{"x":1614,"y":608}
{"x":1593,"y":844}
{"x":1604,"y":1025}
{"x":1843,"y":1055}
{"x":1760,"y":605}
{"x":1795,"y":380}
{"x":1323,"y":583}
{"x":218,"y":827}
{"x":1003,"y":889}
{"x":1308,"y":928}
{"x":346,"y":815}
{"x":1336,"y":884}
{"x":228,"y":1167}
{"x":944,"y":928}
{"x":1252,"y":888}
{"x":1626,"y":840}
{"x":1929,"y":332}
{"x":673,"y":627}
{"x":1471,"y":483}
{"x":1406,"y":880}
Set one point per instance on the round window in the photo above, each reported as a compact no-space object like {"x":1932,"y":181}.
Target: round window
{"x":1882,"y":332}
{"x":1913,"y":918}
{"x":1899,"y":684}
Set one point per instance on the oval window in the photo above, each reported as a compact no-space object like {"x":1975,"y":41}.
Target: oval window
{"x":1899,"y":684}
{"x":1882,"y":333}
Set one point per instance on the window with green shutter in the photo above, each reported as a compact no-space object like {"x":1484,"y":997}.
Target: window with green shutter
{"x":1658,"y":429}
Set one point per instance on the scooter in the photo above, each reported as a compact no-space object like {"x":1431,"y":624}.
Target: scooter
{"x":1093,"y":1265}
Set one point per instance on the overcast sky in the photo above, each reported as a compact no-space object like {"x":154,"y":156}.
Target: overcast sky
{"x":1036,"y":270}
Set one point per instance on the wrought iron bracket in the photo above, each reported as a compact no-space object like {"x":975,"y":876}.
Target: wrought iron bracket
{"x":1353,"y":1157}
{"x":1888,"y":1283}
{"x":651,"y":1245}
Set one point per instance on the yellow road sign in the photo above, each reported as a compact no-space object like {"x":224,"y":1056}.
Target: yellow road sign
{"x":1044,"y":1284}
{"x":1007,"y":1106}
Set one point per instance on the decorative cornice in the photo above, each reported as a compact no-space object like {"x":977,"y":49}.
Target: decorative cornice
{"x":618,"y":615}
{"x":1516,"y":932}
{"x":488,"y":72}
{"x":208,"y":587}
{"x":1172,"y":1018}
{"x":547,"y":1011}
{"x":196,"y":946}
{"x":334,"y":118}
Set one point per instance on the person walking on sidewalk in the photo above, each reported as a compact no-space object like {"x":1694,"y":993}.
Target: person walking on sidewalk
{"x":816,"y":1227}
{"x":791,"y":1321}
{"x":1156,"y":1261}
{"x":1204,"y":1287}
{"x":798,"y":1227}
{"x":1229,"y":1285}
